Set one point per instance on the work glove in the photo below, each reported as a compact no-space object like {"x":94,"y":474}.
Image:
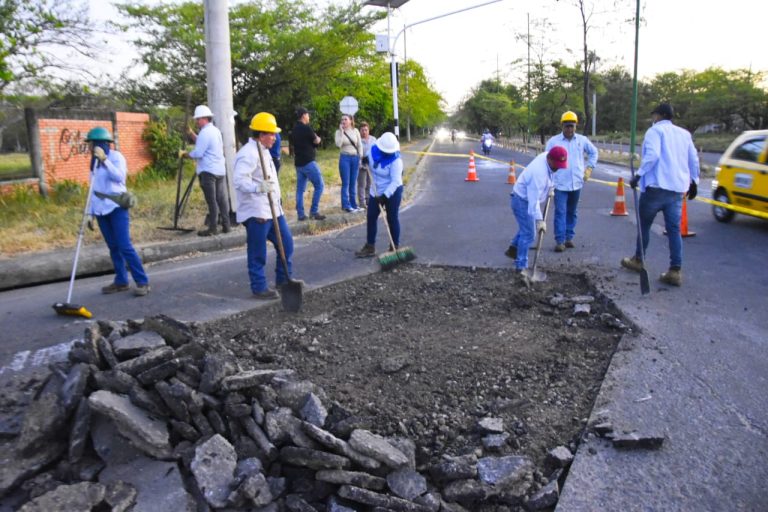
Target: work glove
{"x":382,"y":200}
{"x":541,"y":226}
{"x":266,"y":187}
{"x":99,"y":153}
{"x":634,"y":180}
{"x":693,"y":190}
{"x":182,"y":153}
{"x":89,"y":223}
{"x":587,"y":174}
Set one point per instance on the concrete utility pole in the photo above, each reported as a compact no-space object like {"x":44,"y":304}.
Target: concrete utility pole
{"x":219,"y":70}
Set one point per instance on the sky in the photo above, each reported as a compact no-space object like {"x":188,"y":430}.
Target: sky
{"x":459,"y":50}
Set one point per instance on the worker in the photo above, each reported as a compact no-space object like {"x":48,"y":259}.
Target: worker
{"x":109,"y":172}
{"x":569,"y":182}
{"x":669,"y":170}
{"x":211,"y":170}
{"x":533,"y":186}
{"x":254,"y":211}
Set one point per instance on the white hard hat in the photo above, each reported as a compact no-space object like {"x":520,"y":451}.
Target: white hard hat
{"x":202,"y":111}
{"x":388,"y":143}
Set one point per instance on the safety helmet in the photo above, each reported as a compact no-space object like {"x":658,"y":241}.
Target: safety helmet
{"x":569,"y":117}
{"x":202,"y":111}
{"x":264,"y":122}
{"x":99,"y":133}
{"x":388,"y":143}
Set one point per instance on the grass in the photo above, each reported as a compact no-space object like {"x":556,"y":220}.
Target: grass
{"x":31,"y":223}
{"x":14,"y":166}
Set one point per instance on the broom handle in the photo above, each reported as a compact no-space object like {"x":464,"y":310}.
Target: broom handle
{"x":381,"y":209}
{"x":80,"y":234}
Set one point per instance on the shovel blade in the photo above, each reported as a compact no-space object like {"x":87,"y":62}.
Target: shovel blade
{"x":291,"y":295}
{"x":535,"y":275}
{"x":645,"y":283}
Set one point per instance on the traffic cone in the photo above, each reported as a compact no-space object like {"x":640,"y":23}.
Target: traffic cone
{"x":619,"y":205}
{"x":684,"y":221}
{"x":471,"y":172}
{"x":511,"y":179}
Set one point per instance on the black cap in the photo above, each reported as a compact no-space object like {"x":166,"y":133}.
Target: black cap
{"x":664,"y":110}
{"x":301,"y":111}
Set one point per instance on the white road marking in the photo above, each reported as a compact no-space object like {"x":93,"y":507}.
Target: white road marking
{"x":22,"y":360}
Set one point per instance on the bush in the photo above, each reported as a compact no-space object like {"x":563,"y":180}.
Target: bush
{"x":164,"y":144}
{"x":65,"y":191}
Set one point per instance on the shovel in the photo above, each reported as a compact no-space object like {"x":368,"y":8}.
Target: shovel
{"x":533,"y":275}
{"x":290,"y":291}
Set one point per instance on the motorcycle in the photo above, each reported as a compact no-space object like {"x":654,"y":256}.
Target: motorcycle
{"x":487,"y":145}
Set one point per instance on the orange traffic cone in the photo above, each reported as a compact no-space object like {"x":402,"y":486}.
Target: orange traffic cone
{"x":684,"y":221}
{"x":471,"y":172}
{"x":619,"y":205}
{"x":511,"y":179}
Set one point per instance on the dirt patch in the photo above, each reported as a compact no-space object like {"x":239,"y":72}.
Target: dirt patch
{"x":427,"y":352}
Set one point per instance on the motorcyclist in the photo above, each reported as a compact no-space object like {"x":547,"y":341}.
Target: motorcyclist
{"x":486,"y":141}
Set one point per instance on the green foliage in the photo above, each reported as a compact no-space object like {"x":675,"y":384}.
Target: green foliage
{"x":67,"y":191}
{"x":164,"y":145}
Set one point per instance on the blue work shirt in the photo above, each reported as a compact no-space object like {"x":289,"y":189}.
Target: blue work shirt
{"x":572,"y":177}
{"x":209,"y":151}
{"x":669,"y":159}
{"x":108,"y":178}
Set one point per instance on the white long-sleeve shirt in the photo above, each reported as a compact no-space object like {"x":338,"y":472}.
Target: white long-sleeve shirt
{"x":108,"y":178}
{"x":209,"y":151}
{"x":247,"y":178}
{"x":669,"y":159}
{"x":572,"y":177}
{"x":388,"y":178}
{"x":534,"y":184}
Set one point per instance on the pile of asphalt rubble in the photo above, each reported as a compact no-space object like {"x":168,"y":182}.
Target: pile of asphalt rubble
{"x":142,"y":417}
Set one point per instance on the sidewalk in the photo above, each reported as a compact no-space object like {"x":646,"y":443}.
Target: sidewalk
{"x":51,"y":266}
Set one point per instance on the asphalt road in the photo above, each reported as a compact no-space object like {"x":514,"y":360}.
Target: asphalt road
{"x":697,"y":374}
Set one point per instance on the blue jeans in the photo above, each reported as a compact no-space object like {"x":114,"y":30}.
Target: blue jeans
{"x":566,"y":202}
{"x":525,"y":232}
{"x":349,"y":166}
{"x":116,"y":230}
{"x":653,"y":201}
{"x":309,"y":172}
{"x":257,"y":234}
{"x":393,"y":216}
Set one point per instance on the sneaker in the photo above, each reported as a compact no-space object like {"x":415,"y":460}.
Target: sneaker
{"x":114,"y":288}
{"x":359,"y":210}
{"x":141,"y":290}
{"x":317,"y":216}
{"x":303,"y":217}
{"x":632,"y":263}
{"x":560,"y":248}
{"x":569,"y":244}
{"x":673,"y":276}
{"x":268,"y":294}
{"x":511,"y":252}
{"x":367,"y":251}
{"x":350,"y":210}
{"x":207,"y":232}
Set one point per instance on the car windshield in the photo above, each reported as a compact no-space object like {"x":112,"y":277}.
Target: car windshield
{"x":751,"y":150}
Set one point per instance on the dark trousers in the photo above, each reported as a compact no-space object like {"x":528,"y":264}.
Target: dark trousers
{"x":216,"y":197}
{"x":393,"y":216}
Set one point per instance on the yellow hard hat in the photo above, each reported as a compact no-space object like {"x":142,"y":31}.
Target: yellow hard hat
{"x":569,"y":117}
{"x":264,"y":122}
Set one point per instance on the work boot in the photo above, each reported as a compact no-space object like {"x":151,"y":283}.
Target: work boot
{"x":141,"y":290}
{"x":673,"y":276}
{"x":569,"y":244}
{"x":632,"y":263}
{"x":560,"y":248}
{"x":208,"y":232}
{"x":511,"y":252}
{"x":367,"y":251}
{"x":268,"y":294}
{"x":114,"y":288}
{"x":226,"y":229}
{"x":318,"y":216}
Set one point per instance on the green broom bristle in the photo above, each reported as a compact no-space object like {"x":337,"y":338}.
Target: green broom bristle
{"x":391,"y":259}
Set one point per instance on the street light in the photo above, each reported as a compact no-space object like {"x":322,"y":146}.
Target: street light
{"x":389,"y":4}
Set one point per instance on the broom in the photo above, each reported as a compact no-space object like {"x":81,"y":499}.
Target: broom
{"x":395,"y":255}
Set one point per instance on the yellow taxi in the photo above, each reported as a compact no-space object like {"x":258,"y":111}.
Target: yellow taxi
{"x":742,"y":176}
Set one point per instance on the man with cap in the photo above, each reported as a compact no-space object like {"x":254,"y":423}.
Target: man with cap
{"x":305,"y":142}
{"x":211,"y":169}
{"x":533,"y":186}
{"x":669,"y":170}
{"x":569,"y":181}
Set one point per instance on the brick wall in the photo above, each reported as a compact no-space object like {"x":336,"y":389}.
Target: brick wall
{"x":66,"y":154}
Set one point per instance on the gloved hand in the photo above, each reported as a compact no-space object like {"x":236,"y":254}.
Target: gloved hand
{"x":266,"y":187}
{"x":587,"y":174}
{"x":182,"y":153}
{"x":99,"y":153}
{"x":382,"y":200}
{"x":89,"y":223}
{"x":633,"y":182}
{"x":541,"y":226}
{"x":693,"y":190}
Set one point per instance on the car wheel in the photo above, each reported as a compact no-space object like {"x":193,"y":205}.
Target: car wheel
{"x":722,"y":214}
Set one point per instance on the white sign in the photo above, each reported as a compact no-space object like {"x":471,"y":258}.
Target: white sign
{"x":348,"y":105}
{"x":382,"y":43}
